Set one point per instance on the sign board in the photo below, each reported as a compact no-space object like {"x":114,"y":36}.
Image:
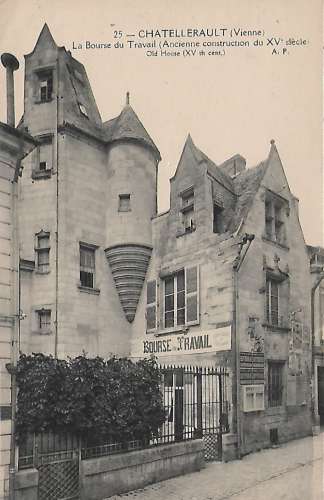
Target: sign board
{"x":251,"y":368}
{"x":206,"y":341}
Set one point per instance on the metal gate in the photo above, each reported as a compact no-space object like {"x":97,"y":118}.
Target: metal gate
{"x":196,"y":405}
{"x":57,"y":458}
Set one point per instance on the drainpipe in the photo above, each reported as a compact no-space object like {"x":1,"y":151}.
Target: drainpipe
{"x":57,"y":211}
{"x":11,"y":64}
{"x":246,"y":240}
{"x":313,"y":291}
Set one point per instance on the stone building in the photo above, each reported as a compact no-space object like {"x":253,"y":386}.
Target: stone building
{"x":316,"y":256}
{"x":14,"y":145}
{"x":221,"y":279}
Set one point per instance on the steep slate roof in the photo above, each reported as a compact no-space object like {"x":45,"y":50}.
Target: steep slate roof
{"x":244,"y":185}
{"x":128,"y":126}
{"x":212,"y":168}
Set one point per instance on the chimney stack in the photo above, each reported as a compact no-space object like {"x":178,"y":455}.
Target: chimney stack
{"x":11,"y":63}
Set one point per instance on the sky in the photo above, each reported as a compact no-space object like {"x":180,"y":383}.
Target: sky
{"x":231,"y":103}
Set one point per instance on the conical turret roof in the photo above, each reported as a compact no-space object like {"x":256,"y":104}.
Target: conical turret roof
{"x":128,"y":126}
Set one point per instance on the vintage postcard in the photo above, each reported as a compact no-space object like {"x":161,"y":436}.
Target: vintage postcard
{"x":161,"y":249}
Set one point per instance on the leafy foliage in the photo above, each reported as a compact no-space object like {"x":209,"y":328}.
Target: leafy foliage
{"x":111,"y":400}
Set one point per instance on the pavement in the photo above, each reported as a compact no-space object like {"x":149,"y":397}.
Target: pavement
{"x":292,"y":471}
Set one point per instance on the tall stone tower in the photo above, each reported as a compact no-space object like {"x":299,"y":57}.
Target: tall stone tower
{"x":87,"y":196}
{"x":132,"y":162}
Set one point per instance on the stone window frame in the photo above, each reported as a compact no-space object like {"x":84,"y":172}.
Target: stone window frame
{"x":90,"y":248}
{"x":124,"y":202}
{"x":283,"y":282}
{"x":45,"y":74}
{"x":41,"y":250}
{"x":189,"y":296}
{"x":276,"y":213}
{"x":37,"y":312}
{"x":44,"y":140}
{"x":187,"y":210}
{"x":275,"y":400}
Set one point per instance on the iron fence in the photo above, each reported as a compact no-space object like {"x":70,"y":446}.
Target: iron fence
{"x":196,"y":405}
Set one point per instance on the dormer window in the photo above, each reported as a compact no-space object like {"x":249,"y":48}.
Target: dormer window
{"x":276,"y":210}
{"x":83,"y":110}
{"x":188,"y":210}
{"x":217,"y":218}
{"x":45,"y":85}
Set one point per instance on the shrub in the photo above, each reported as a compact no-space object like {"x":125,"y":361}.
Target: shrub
{"x":101,"y":400}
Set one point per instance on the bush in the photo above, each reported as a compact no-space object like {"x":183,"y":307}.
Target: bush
{"x":112,"y":400}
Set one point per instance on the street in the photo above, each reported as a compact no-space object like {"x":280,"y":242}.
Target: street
{"x":292,"y":471}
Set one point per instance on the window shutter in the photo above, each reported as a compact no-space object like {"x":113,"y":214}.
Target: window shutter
{"x":151,"y":305}
{"x":192,"y":295}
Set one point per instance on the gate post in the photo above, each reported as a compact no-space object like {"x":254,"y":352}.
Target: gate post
{"x":178,"y":422}
{"x":220,"y":437}
{"x":199,"y":403}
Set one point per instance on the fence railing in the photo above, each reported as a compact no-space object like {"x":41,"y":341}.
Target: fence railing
{"x":196,"y":405}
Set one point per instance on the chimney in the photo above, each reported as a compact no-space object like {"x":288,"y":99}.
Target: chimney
{"x":11,"y":64}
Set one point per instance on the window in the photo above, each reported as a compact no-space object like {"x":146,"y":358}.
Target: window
{"x":253,"y":397}
{"x":45,"y":85}
{"x":180,"y":298}
{"x":44,"y":320}
{"x":174,"y":300}
{"x":188,"y":210}
{"x":272,"y":302}
{"x":87,"y":266}
{"x":275,"y":383}
{"x":275,"y":214}
{"x":44,"y":157}
{"x":42,"y":251}
{"x":124,"y":203}
{"x":217,"y":219}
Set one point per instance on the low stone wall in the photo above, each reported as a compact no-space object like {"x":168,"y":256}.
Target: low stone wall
{"x":26,"y":484}
{"x":107,"y":476}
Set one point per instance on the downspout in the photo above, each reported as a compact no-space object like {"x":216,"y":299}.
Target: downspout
{"x":246,"y":239}
{"x":57,"y":211}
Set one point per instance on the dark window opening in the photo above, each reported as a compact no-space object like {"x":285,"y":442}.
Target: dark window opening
{"x":42,"y":165}
{"x":272,"y":302}
{"x":188,"y":210}
{"x":124,"y":203}
{"x":46,"y":86}
{"x":217,"y":219}
{"x":275,"y":383}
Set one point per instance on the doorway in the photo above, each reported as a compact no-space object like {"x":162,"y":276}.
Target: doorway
{"x":320,"y":390}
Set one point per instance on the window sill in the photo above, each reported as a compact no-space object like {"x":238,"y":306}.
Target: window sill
{"x":276,"y":243}
{"x":42,"y":332}
{"x":167,"y":331}
{"x":92,"y":291}
{"x":41,"y":272}
{"x":276,"y":328}
{"x":43,"y":101}
{"x":40,"y":174}
{"x":184,"y":233}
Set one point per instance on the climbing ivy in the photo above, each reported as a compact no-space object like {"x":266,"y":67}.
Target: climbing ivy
{"x":112,"y":400}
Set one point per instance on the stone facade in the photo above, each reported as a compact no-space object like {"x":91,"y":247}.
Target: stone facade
{"x":13,"y":145}
{"x":221,"y":279}
{"x":316,"y":256}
